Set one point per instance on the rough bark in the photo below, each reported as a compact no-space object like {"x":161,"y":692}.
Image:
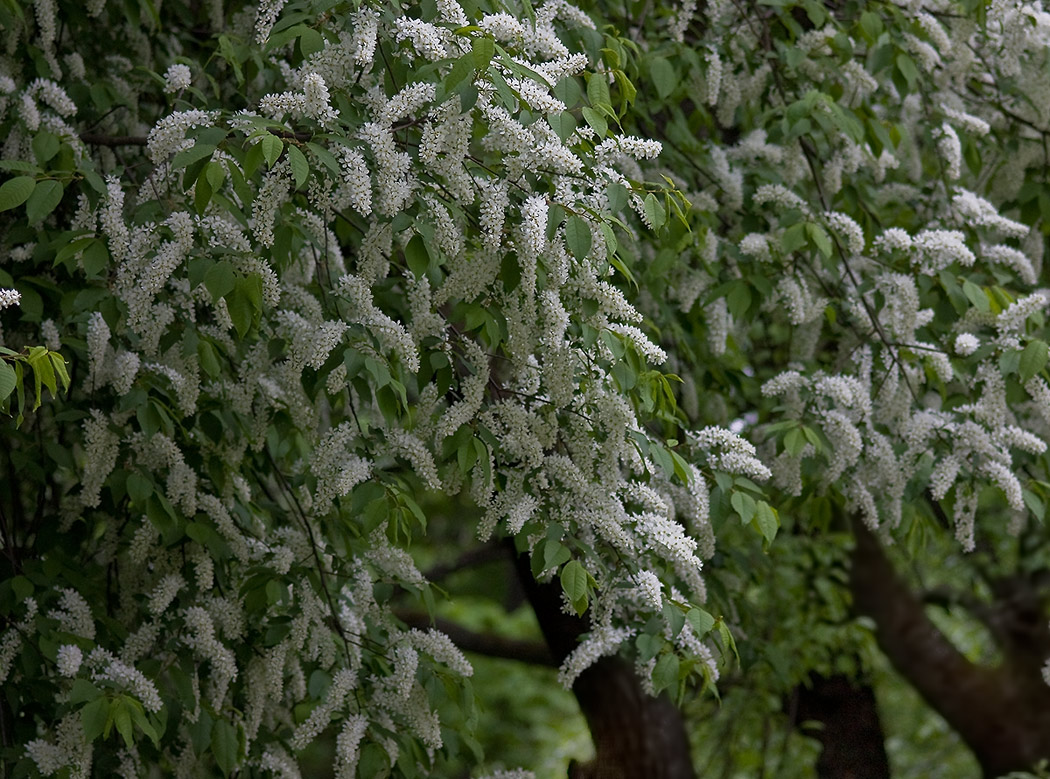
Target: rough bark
{"x":635,"y":735}
{"x":1001,"y":713}
{"x":851,"y":733}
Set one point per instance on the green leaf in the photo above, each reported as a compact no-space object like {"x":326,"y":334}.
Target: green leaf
{"x":578,"y":237}
{"x":139,"y":717}
{"x":95,"y":258}
{"x":418,"y":256}
{"x":907,"y":68}
{"x":225,"y":745}
{"x":744,"y":505}
{"x":83,"y":691}
{"x":14,"y":192}
{"x":665,"y":674}
{"x":767,"y":520}
{"x":58,"y":363}
{"x":94,"y":717}
{"x":139,"y":488}
{"x":462,"y":69}
{"x":122,"y":719}
{"x":700,"y":621}
{"x":649,"y":646}
{"x":208,"y":359}
{"x":574,"y":583}
{"x":482,"y":49}
{"x":300,"y":167}
{"x":45,"y":146}
{"x":794,"y":442}
{"x":871,"y":24}
{"x":46,"y":196}
{"x":794,"y":238}
{"x":195,"y":153}
{"x":43,"y":373}
{"x":664,"y":79}
{"x":310,"y":41}
{"x":1033,"y":359}
{"x":271,"y":148}
{"x":555,"y":554}
{"x":245,"y":303}
{"x":7,"y":380}
{"x":820,"y":239}
{"x":596,"y":121}
{"x":655,"y":212}
{"x":617,"y":195}
{"x":976,"y":295}
{"x":220,"y":279}
{"x":564,"y":124}
{"x":598,"y":90}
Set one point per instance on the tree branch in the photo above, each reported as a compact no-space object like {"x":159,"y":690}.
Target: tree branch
{"x":98,"y":139}
{"x":488,"y":644}
{"x":479,"y":555}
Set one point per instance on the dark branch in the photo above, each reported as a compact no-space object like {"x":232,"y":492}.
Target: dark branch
{"x":97,"y":139}
{"x":533,"y":652}
{"x":489,"y":553}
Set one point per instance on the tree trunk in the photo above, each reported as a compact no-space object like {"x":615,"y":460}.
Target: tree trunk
{"x":1002,"y":713}
{"x":851,"y":733}
{"x":635,"y":735}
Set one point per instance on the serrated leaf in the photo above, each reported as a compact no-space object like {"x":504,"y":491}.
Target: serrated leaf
{"x":596,"y":121}
{"x":907,"y":68}
{"x":794,"y":238}
{"x":648,"y":646}
{"x":574,"y":583}
{"x":14,"y":192}
{"x":598,"y":90}
{"x":555,"y":554}
{"x":482,"y":49}
{"x":665,"y":674}
{"x":563,"y":123}
{"x":220,"y":279}
{"x":794,"y":442}
{"x":46,"y":196}
{"x":225,"y":745}
{"x":820,"y":239}
{"x":976,"y":295}
{"x":617,"y":196}
{"x":208,"y":359}
{"x":139,"y":487}
{"x":663,"y":75}
{"x":83,"y":691}
{"x":45,"y":146}
{"x":7,"y":380}
{"x":93,"y":718}
{"x":700,"y":621}
{"x":744,"y":505}
{"x":1033,"y":359}
{"x":300,"y":167}
{"x":767,"y":521}
{"x":418,"y":256}
{"x":578,"y":238}
{"x":272,"y":146}
{"x":187,"y":157}
{"x":122,"y":719}
{"x":655,"y":212}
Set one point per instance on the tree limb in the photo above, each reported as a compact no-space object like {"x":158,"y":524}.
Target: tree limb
{"x":488,"y":644}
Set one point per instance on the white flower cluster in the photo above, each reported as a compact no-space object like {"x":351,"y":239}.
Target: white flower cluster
{"x":314,"y":102}
{"x":603,"y":640}
{"x":177,"y":78}
{"x":9,"y":297}
{"x":730,"y":453}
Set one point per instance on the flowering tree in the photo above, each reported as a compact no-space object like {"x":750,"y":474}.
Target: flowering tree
{"x":308,"y":269}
